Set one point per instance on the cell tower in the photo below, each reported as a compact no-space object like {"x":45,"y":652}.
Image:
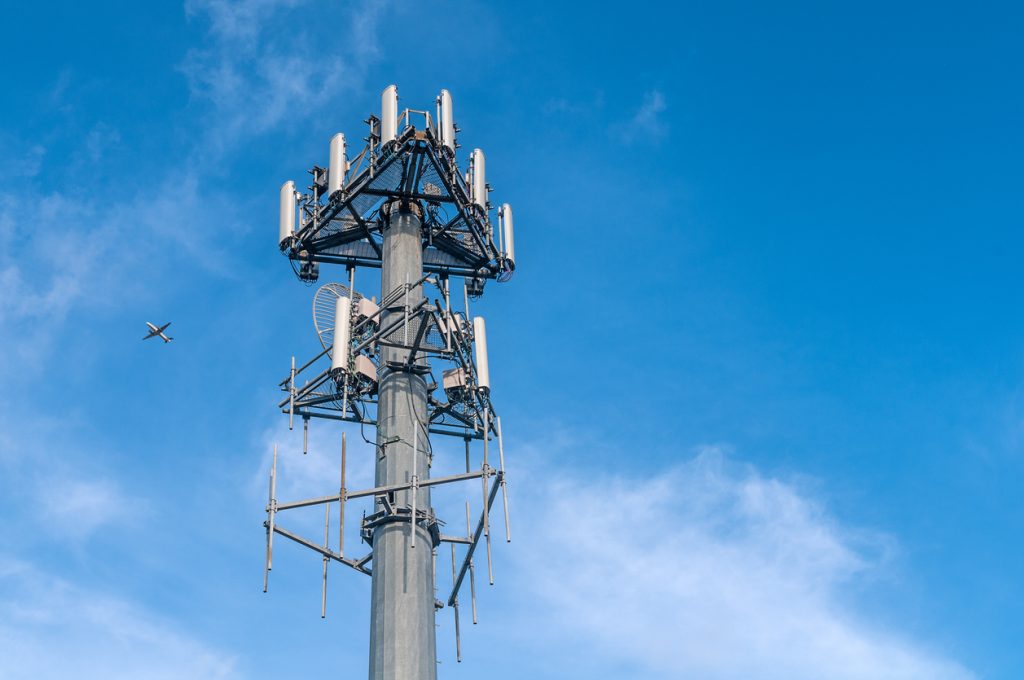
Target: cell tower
{"x":402,"y":205}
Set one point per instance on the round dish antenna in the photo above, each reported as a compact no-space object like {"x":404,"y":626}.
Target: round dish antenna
{"x":324,"y":304}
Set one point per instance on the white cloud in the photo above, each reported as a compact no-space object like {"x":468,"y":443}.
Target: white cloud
{"x":647,"y":123}
{"x":709,"y":570}
{"x":239,"y":21}
{"x":74,"y":508}
{"x":51,"y":628}
{"x":258,"y":69}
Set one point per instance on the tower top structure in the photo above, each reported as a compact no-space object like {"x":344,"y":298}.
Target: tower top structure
{"x":409,"y":157}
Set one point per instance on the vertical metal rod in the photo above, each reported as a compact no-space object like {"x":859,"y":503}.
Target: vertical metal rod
{"x":270,"y":500}
{"x":487,"y":525}
{"x":465,"y":297}
{"x":341,"y":500}
{"x":455,"y":607}
{"x":305,"y":435}
{"x":467,"y":454}
{"x":487,"y":432}
{"x":327,"y":533}
{"x":352,"y":301}
{"x":472,"y":570}
{"x":271,"y":510}
{"x":405,"y":298}
{"x":448,"y":317}
{"x":344,"y":396}
{"x":504,"y":490}
{"x":501,"y":231}
{"x":291,"y":396}
{"x":472,"y":588}
{"x":415,"y":485}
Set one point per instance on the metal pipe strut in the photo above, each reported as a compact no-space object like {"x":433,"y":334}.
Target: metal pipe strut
{"x":383,"y":490}
{"x":327,"y":533}
{"x":355,"y":564}
{"x":476,"y":541}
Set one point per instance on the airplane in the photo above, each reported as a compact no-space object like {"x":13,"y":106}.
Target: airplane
{"x":154,"y":332}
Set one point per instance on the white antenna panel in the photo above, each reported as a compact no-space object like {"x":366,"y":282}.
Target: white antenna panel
{"x":337,"y":165}
{"x":366,"y":308}
{"x":287,"y":230}
{"x":342,"y":333}
{"x":479,"y":179}
{"x":506,"y":224}
{"x":447,"y":123}
{"x":483,"y":371}
{"x":365,"y":367}
{"x":389,"y":114}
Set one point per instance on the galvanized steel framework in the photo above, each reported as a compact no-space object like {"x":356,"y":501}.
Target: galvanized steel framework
{"x":404,"y":206}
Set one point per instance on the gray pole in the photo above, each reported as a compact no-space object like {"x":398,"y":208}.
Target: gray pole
{"x":402,"y":635}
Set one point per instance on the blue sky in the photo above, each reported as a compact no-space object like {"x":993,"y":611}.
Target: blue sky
{"x":761,"y":368}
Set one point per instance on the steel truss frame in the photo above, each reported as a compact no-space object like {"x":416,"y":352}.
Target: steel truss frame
{"x":346,"y":228}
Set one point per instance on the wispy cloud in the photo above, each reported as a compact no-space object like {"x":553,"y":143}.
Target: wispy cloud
{"x":63,"y":492}
{"x":708,"y":570}
{"x":647,"y":122}
{"x":75,"y":507}
{"x":258,"y":69}
{"x":97,"y":636}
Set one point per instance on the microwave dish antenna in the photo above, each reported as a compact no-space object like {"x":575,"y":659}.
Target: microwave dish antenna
{"x":325,"y":303}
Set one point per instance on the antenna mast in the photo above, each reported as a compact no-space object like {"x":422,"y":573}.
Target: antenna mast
{"x":403,"y":206}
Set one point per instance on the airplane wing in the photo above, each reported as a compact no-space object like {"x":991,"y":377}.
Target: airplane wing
{"x":154,"y":331}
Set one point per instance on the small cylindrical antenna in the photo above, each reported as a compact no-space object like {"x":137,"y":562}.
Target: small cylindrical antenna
{"x":291,"y":397}
{"x":446,"y":122}
{"x":305,"y":435}
{"x":465,"y":296}
{"x":479,"y":186}
{"x":467,"y":453}
{"x":337,"y":166}
{"x":483,"y":373}
{"x":388,"y":114}
{"x":507,"y":233}
{"x":342,"y":335}
{"x":327,"y":545}
{"x":286,"y":233}
{"x":341,"y":500}
{"x":504,"y":490}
